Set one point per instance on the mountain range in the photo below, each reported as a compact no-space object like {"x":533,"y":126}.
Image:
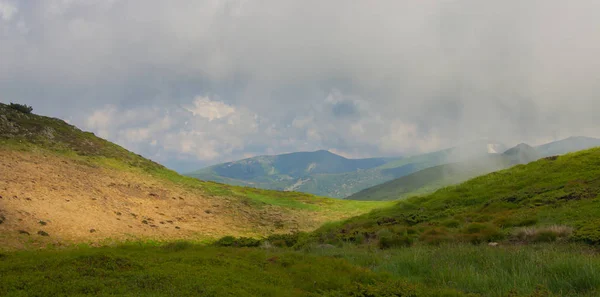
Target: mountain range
{"x":326,"y":174}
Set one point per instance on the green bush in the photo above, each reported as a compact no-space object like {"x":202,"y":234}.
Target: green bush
{"x":21,"y":107}
{"x":237,"y":242}
{"x":284,"y":240}
{"x":589,"y":233}
{"x":451,"y":223}
{"x":477,"y":233}
{"x":389,"y":239}
{"x":177,"y":246}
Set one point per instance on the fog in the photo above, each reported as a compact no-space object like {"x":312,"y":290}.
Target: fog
{"x":192,"y":83}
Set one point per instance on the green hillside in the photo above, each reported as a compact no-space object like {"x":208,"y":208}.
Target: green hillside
{"x":430,"y":179}
{"x":555,"y":197}
{"x":543,"y":215}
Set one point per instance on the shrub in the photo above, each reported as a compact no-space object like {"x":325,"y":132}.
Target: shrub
{"x":477,"y":233}
{"x":21,"y":107}
{"x":435,"y":236}
{"x":505,"y":222}
{"x":451,"y":223}
{"x":284,"y":240}
{"x":237,"y":242}
{"x":177,"y":246}
{"x":389,"y":239}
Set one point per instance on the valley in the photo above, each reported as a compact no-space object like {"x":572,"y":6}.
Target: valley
{"x":76,"y":206}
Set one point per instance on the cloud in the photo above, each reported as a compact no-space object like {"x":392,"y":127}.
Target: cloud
{"x":256,"y":77}
{"x":7,"y":11}
{"x":209,"y":109}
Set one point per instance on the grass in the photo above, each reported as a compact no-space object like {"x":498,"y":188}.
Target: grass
{"x":185,"y":269}
{"x":553,"y":191}
{"x":181,"y":269}
{"x":563,"y":269}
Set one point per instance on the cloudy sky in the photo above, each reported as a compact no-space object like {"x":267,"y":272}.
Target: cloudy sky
{"x":191,"y":83}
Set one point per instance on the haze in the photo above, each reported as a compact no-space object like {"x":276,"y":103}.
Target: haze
{"x":194,"y":83}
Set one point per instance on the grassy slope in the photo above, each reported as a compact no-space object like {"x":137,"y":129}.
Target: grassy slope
{"x":430,"y":179}
{"x":559,"y":190}
{"x":44,"y":141}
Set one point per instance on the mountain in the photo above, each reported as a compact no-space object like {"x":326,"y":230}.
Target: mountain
{"x":567,"y":145}
{"x":430,"y":179}
{"x":337,"y":176}
{"x":61,"y":185}
{"x":555,"y":198}
{"x":288,"y":166}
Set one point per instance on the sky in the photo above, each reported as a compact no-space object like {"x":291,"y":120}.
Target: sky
{"x":192,"y":83}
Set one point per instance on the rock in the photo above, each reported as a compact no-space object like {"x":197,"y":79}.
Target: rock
{"x":493,"y":244}
{"x":43,"y":233}
{"x":23,"y":232}
{"x":92,"y":230}
{"x":43,"y":223}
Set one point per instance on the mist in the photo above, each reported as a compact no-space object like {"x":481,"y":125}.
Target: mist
{"x":362,"y":79}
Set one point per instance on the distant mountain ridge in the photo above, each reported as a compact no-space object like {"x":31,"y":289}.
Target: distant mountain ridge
{"x":327,"y":174}
{"x":294,"y":165}
{"x":430,"y":179}
{"x":286,"y":171}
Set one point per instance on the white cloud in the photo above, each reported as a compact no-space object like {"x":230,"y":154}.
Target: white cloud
{"x":210,"y":109}
{"x":406,"y":137}
{"x":7,"y":10}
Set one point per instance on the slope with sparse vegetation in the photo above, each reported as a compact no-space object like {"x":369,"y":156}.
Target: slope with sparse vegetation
{"x":61,"y":185}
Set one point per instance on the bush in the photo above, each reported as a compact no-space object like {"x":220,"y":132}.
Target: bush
{"x":284,"y":240}
{"x":451,"y":223}
{"x":508,"y":221}
{"x":435,"y":236}
{"x":589,"y":233}
{"x":389,"y":239}
{"x":477,"y":233}
{"x":177,"y":246}
{"x":237,"y":242}
{"x":21,"y":107}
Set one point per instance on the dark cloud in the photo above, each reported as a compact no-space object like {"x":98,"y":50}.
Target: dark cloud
{"x":198,"y":82}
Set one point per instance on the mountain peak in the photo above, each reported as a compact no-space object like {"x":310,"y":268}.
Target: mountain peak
{"x":522,"y":153}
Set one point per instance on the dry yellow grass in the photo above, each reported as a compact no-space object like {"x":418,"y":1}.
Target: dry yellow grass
{"x":75,"y":201}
